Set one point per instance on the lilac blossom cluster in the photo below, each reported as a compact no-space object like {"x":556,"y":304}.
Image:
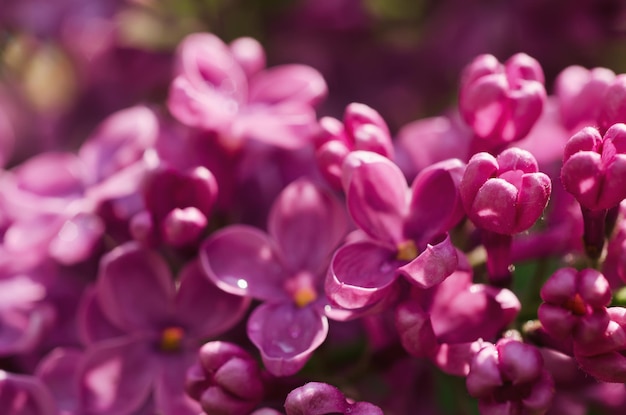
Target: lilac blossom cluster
{"x":228,"y":251}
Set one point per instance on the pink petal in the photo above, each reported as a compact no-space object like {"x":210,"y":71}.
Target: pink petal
{"x":135,"y":288}
{"x":433,"y":265}
{"x":93,"y":325}
{"x":377,"y":198}
{"x":294,"y":83}
{"x":297,"y":216}
{"x":286,"y":335}
{"x":169,"y":389}
{"x":361,"y":274}
{"x":243,"y":261}
{"x":202,"y":307}
{"x":495,"y":207}
{"x":116,"y":376}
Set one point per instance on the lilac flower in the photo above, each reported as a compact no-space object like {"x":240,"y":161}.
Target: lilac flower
{"x":285,"y":269}
{"x":509,"y":378}
{"x":502,"y":102}
{"x":362,"y":129}
{"x":317,"y":398}
{"x":613,"y":105}
{"x":24,"y":395}
{"x":503,"y":195}
{"x":580,"y":93}
{"x":213,"y":91}
{"x":449,"y":321}
{"x":575,"y":305}
{"x":406,"y":229}
{"x":178,"y":205}
{"x":143,"y":332}
{"x":225,"y":380}
{"x":594,"y":172}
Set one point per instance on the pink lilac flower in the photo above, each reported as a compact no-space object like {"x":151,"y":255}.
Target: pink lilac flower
{"x":213,"y":91}
{"x":449,"y":321}
{"x":502,"y":196}
{"x":316,"y":398}
{"x":575,"y":305}
{"x":404,"y":229}
{"x":24,"y":395}
{"x":613,"y":105}
{"x":177,"y":206}
{"x":502,"y":102}
{"x":143,"y":332}
{"x":594,"y":172}
{"x":225,"y":380}
{"x":509,"y":378}
{"x":362,"y":129}
{"x":285,"y":269}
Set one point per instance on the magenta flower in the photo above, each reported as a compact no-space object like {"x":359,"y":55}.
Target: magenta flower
{"x":581,"y":94}
{"x":613,"y":104}
{"x":509,"y":378}
{"x":503,"y":195}
{"x":575,"y":305}
{"x":24,"y":395}
{"x":285,"y":269}
{"x":143,"y":332}
{"x":502,"y":102}
{"x":448,"y":321}
{"x":219,"y":88}
{"x":225,"y":380}
{"x":362,"y":129}
{"x":406,"y":229}
{"x":177,"y":206}
{"x":316,"y":398}
{"x":594,"y":167}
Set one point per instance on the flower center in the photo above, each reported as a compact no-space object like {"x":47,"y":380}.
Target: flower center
{"x":301,"y":288}
{"x":171,"y":339}
{"x":576,"y":305}
{"x":407,"y":251}
{"x":304,"y":296}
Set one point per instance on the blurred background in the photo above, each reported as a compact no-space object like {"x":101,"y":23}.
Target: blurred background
{"x":66,"y":64}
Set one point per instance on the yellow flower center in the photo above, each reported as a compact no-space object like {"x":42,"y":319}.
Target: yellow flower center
{"x":407,"y":251}
{"x":304,"y":296}
{"x":171,"y":339}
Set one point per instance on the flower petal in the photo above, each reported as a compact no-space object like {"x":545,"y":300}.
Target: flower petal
{"x":243,"y":261}
{"x":307,"y":224}
{"x":203,"y":308}
{"x":169,"y":389}
{"x":135,"y":288}
{"x":360,"y":275}
{"x":297,"y":83}
{"x":116,"y":376}
{"x":286,"y":335}
{"x":433,"y":265}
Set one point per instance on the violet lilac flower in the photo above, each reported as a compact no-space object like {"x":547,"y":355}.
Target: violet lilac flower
{"x":362,"y":129}
{"x":405,"y":229}
{"x":225,"y":380}
{"x":285,"y":269}
{"x":25,"y":395}
{"x":143,"y":332}
{"x":316,"y":398}
{"x":503,"y":195}
{"x":177,"y":206}
{"x":575,"y":305}
{"x":502,"y":102}
{"x":509,"y":378}
{"x":224,"y":89}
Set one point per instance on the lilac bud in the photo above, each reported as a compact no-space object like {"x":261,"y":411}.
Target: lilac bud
{"x":502,"y":102}
{"x":226,"y":380}
{"x":317,"y":398}
{"x":509,"y":378}
{"x":575,"y":304}
{"x":183,"y":226}
{"x":613,"y":108}
{"x":594,"y":167}
{"x":249,"y":53}
{"x":580,"y":94}
{"x":504,"y":194}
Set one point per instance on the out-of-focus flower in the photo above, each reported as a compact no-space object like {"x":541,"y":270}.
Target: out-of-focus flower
{"x":24,"y":395}
{"x":213,"y":91}
{"x":502,"y":102}
{"x":143,"y":332}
